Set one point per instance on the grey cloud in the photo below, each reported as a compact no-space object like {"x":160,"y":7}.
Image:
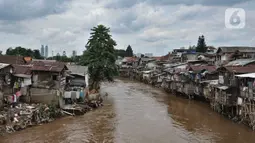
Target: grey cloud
{"x":12,"y":27}
{"x":130,"y":3}
{"x":13,"y":10}
{"x":202,"y":2}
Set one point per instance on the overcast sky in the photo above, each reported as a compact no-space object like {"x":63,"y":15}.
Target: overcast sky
{"x":155,"y":26}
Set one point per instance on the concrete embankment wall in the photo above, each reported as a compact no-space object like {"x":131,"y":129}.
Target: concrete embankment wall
{"x":47,"y":96}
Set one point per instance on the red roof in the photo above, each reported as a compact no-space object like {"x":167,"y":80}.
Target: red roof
{"x":157,"y":58}
{"x":241,"y":69}
{"x":163,"y":58}
{"x":202,"y":67}
{"x":166,"y":57}
{"x":130,"y":59}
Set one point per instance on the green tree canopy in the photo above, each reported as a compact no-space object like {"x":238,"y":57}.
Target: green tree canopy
{"x":201,"y":46}
{"x":20,"y":51}
{"x":129,"y":51}
{"x":100,"y":56}
{"x":120,"y":52}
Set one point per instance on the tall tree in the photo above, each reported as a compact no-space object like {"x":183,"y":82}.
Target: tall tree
{"x":100,"y":56}
{"x":129,"y":51}
{"x":201,"y":46}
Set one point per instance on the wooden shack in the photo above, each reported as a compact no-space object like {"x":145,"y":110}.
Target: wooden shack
{"x":246,"y":99}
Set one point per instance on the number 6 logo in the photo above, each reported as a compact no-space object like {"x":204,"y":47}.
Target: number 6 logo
{"x":235,"y":18}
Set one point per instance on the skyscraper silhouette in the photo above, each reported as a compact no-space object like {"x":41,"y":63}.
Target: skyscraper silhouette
{"x":64,"y":53}
{"x":46,"y":51}
{"x":42,"y":51}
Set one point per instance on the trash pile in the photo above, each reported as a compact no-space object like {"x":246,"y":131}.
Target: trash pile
{"x":25,"y":115}
{"x":22,"y":115}
{"x":81,"y":108}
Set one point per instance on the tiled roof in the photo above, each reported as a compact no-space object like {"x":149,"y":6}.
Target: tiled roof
{"x":12,"y":59}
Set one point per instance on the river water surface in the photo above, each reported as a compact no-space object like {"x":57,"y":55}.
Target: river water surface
{"x":137,"y":113}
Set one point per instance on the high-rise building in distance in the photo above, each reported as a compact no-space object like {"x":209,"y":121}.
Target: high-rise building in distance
{"x":46,"y":51}
{"x":42,"y":51}
{"x":64,"y":53}
{"x":74,"y":53}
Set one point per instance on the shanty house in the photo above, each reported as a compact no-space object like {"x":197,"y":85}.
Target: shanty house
{"x":246,"y":100}
{"x":49,"y":74}
{"x":226,"y":54}
{"x":48,"y":81}
{"x":227,"y":90}
{"x":5,"y":81}
{"x":22,"y":81}
{"x":77,"y":83}
{"x":80,"y":76}
{"x":199,"y":74}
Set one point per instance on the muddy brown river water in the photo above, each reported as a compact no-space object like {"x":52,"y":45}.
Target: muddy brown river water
{"x":137,"y":113}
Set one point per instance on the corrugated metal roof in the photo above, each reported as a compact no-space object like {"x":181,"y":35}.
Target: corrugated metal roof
{"x":78,"y":70}
{"x":12,"y":59}
{"x":248,"y":75}
{"x":203,"y":67}
{"x":235,"y":48}
{"x":47,"y":65}
{"x":3,"y":65}
{"x":146,"y":72}
{"x":241,"y":62}
{"x":223,"y":87}
{"x":241,"y":69}
{"x":22,"y":69}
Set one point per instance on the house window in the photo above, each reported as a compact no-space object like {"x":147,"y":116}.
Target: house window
{"x":54,"y":77}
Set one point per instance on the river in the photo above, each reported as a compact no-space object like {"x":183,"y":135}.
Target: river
{"x":138,"y":113}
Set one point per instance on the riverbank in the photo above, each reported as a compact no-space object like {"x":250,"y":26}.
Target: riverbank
{"x":24,"y":115}
{"x":136,"y":112}
{"x":219,"y":102}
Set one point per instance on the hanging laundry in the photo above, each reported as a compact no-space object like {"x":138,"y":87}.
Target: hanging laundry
{"x":18,"y":93}
{"x":16,"y":85}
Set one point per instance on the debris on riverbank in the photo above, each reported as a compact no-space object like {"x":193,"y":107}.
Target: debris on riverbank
{"x":26,"y":115}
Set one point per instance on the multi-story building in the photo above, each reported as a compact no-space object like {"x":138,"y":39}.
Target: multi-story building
{"x":46,"y":51}
{"x":42,"y":51}
{"x":74,"y":53}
